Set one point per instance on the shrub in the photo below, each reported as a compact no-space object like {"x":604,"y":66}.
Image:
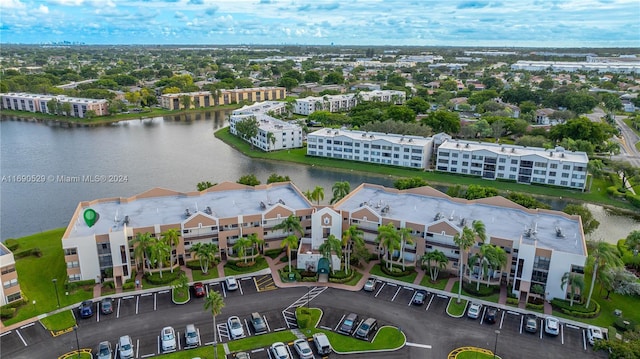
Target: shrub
{"x":128,"y":285}
{"x":284,"y":275}
{"x":303,"y":316}
{"x":273,"y":253}
{"x":11,"y":244}
{"x":483,"y":292}
{"x":70,"y":286}
{"x":167,"y":277}
{"x":535,"y":306}
{"x":22,"y":254}
{"x":578,"y":310}
{"x":624,"y":324}
{"x":340,"y":274}
{"x":193,"y":264}
{"x":513,"y":301}
{"x":36,"y":252}
{"x":397,"y":272}
{"x":109,"y":284}
{"x":634,"y":200}
{"x":7,"y":313}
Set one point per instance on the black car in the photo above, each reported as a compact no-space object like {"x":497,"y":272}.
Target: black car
{"x":349,"y":324}
{"x":86,"y":309}
{"x":490,"y":315}
{"x":106,"y":306}
{"x":419,"y":297}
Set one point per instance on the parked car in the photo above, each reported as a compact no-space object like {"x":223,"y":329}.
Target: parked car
{"x":232,"y":283}
{"x":235,"y":327}
{"x":198,"y":289}
{"x":349,"y":324}
{"x":86,"y":309}
{"x":168,"y":338}
{"x":126,"y":347}
{"x":594,"y":333}
{"x":258,"y":323}
{"x":419,"y":297}
{"x":370,"y":285}
{"x":490,"y":315}
{"x":365,"y":328}
{"x":106,"y":306}
{"x":531,"y":323}
{"x":322,"y":343}
{"x":191,"y":336}
{"x":242,"y":355}
{"x":279,"y":351}
{"x":104,"y":351}
{"x":302,"y":348}
{"x":474,"y":310}
{"x":551,"y":325}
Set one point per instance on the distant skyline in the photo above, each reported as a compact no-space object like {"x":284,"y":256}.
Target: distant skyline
{"x":506,"y":23}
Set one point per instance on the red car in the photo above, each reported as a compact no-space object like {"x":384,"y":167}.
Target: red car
{"x":198,"y":289}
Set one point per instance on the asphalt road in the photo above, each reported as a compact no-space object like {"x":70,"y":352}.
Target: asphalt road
{"x":430,"y":332}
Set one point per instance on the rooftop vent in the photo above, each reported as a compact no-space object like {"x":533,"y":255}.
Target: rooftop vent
{"x":438,"y":216}
{"x":208,"y":210}
{"x":262,"y":205}
{"x":126,"y":220}
{"x":513,"y":150}
{"x":559,"y":233}
{"x":187,"y":213}
{"x":466,"y":146}
{"x":370,"y":136}
{"x":281,"y":201}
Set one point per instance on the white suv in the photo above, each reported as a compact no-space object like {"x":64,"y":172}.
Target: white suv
{"x":168,"y":337}
{"x":594,"y":333}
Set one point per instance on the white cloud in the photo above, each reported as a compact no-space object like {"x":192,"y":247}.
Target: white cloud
{"x":12,"y":4}
{"x":43,"y":9}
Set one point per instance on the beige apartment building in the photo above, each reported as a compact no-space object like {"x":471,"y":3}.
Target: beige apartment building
{"x":9,"y":277}
{"x":79,"y":107}
{"x":199,"y":99}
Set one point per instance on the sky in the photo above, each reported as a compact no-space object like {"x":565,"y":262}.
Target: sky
{"x":503,"y":23}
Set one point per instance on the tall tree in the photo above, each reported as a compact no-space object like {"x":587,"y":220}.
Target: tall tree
{"x":388,"y":239}
{"x":290,"y":225}
{"x":602,"y":255}
{"x":464,"y":241}
{"x":241,"y":246}
{"x":573,"y":281}
{"x":206,"y":253}
{"x":619,"y":280}
{"x":633,"y":242}
{"x":436,"y":261}
{"x":350,"y":238}
{"x":340,"y":190}
{"x":405,"y":239}
{"x":317,"y":194}
{"x":141,"y":244}
{"x":331,"y":244}
{"x":214,"y":304}
{"x":172,"y":238}
{"x":589,"y":223}
{"x":160,"y":252}
{"x":247,"y":129}
{"x":291,"y":242}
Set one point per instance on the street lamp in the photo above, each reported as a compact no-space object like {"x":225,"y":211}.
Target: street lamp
{"x":495,"y":347}
{"x":55,"y":287}
{"x":75,"y":330}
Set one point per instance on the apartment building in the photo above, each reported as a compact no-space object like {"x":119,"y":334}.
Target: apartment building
{"x":199,"y":99}
{"x":332,"y":103}
{"x":78,"y":107}
{"x":10,"y":291}
{"x":393,"y":96}
{"x":219,"y":215}
{"x":574,"y":66}
{"x":273,"y":134}
{"x":522,"y":164}
{"x":541,"y":245}
{"x":374,"y":147}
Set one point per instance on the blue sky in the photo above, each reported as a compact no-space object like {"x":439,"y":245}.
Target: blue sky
{"x":520,"y":23}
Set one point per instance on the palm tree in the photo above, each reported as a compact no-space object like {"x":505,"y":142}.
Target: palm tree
{"x":271,"y":138}
{"x":573,"y":281}
{"x":601,"y":256}
{"x":141,"y":244}
{"x":464,"y":241}
{"x":497,"y":258}
{"x":214,"y":303}
{"x":439,"y":260}
{"x":340,"y":190}
{"x":256,"y":243}
{"x":291,"y":224}
{"x":308,"y":194}
{"x":241,"y":246}
{"x":160,"y":252}
{"x":332,"y":244}
{"x":206,"y":253}
{"x":317,"y":194}
{"x":350,"y":237}
{"x":405,"y":238}
{"x":481,"y":260}
{"x":389,"y":239}
{"x":172,"y":238}
{"x":291,"y":242}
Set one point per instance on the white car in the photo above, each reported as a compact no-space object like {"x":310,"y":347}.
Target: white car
{"x":125,"y":347}
{"x":191,"y":336}
{"x":474,"y":310}
{"x":551,"y":325}
{"x":232,"y":283}
{"x":168,"y":337}
{"x":235,"y":327}
{"x":302,"y":348}
{"x":279,"y":351}
{"x":593,"y":334}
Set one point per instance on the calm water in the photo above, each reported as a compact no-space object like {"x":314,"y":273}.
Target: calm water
{"x":174,"y":152}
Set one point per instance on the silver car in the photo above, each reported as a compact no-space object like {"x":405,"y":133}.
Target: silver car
{"x":302,"y":348}
{"x":104,"y":351}
{"x":168,"y":337}
{"x":235,"y":327}
{"x":126,"y":347}
{"x":551,"y":325}
{"x":191,"y":336}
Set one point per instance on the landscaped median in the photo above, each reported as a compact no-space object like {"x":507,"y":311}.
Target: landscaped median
{"x":455,"y":309}
{"x":471,"y":353}
{"x":387,"y":338}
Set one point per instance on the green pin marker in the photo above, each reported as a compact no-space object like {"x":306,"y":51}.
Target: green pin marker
{"x":90,"y":217}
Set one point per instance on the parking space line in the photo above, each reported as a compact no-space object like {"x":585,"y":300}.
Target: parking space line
{"x":326,"y":328}
{"x":484,"y":309}
{"x":584,"y":340}
{"x":240,"y":287}
{"x":145,"y":294}
{"x":147,"y":355}
{"x":424,"y":346}
{"x":257,"y":350}
{"x":430,"y":300}
{"x":137,"y":347}
{"x":224,"y":291}
{"x":541,"y":325}
{"x":155,"y":301}
{"x":118,"y":310}
{"x":340,"y":321}
{"x":379,"y":290}
{"x":562,"y":333}
{"x":267,"y":323}
{"x":137,"y":303}
{"x":178,"y":340}
{"x":502,"y":319}
{"x":572,"y":326}
{"x":395,"y":295}
{"x":413,"y":296}
{"x":521,"y":323}
{"x":5,"y":333}
{"x":27,"y":325}
{"x":158,"y":344}
{"x":21,"y":338}
{"x":443,"y":296}
{"x":98,"y":314}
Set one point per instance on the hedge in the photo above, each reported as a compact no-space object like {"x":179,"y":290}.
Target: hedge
{"x":273,"y":253}
{"x":108,"y":284}
{"x":69,"y":286}
{"x":128,"y":285}
{"x":36,"y":252}
{"x":484,"y":290}
{"x":577,"y":310}
{"x":535,"y":306}
{"x":11,"y":244}
{"x":7,"y":313}
{"x":284,"y":274}
{"x":397,"y":272}
{"x":167,"y":277}
{"x":514,"y":301}
{"x":634,"y":200}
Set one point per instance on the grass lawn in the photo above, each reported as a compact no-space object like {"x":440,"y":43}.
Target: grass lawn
{"x":298,"y":155}
{"x":471,"y":354}
{"x":74,"y":355}
{"x":495,"y":297}
{"x":198,"y":275}
{"x":165,"y":273}
{"x":260,"y":341}
{"x":179,"y":297}
{"x":60,"y":321}
{"x":375,"y":270}
{"x":356,"y":278}
{"x":456,"y":309}
{"x":261,"y":263}
{"x":439,"y":284}
{"x":36,"y":274}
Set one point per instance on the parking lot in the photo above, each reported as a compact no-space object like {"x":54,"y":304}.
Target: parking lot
{"x":22,"y":337}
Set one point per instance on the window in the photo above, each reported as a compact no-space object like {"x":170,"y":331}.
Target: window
{"x":566,"y":167}
{"x":70,"y":251}
{"x":10,"y":283}
{"x":8,"y":269}
{"x":73,"y":264}
{"x":13,"y":297}
{"x":553,"y":165}
{"x":74,"y":277}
